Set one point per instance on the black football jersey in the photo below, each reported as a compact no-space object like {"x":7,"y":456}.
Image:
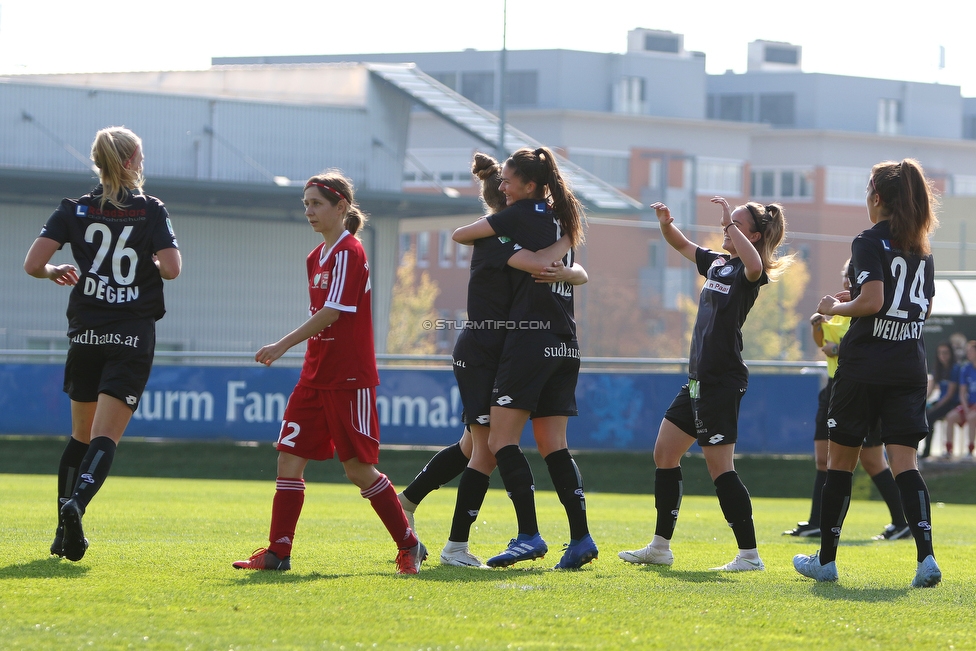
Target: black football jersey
{"x":725,"y":301}
{"x":542,"y":306}
{"x":113,"y":249}
{"x":489,"y":302}
{"x":887,"y":347}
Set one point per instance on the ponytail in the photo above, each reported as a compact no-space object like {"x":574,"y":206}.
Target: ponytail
{"x":112,"y":151}
{"x":539,"y":166}
{"x":908,"y":200}
{"x":334,"y":186}
{"x":770,"y":222}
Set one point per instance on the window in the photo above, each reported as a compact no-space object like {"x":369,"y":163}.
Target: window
{"x":655,"y":43}
{"x":463,"y":257}
{"x":437,"y":167}
{"x":846,"y":185}
{"x":444,"y":337}
{"x":445,"y":249}
{"x":788,"y":55}
{"x":479,"y":87}
{"x":629,"y":95}
{"x":404,"y":245}
{"x":610,"y":166}
{"x":655,"y":174}
{"x":449,"y":79}
{"x":735,"y":108}
{"x":777,"y":109}
{"x":716,"y":176}
{"x":522,"y":88}
{"x":54,"y":341}
{"x":782,"y":184}
{"x":963,"y":186}
{"x":423,"y":249}
{"x":969,"y":127}
{"x":889,"y":116}
{"x":786,"y":184}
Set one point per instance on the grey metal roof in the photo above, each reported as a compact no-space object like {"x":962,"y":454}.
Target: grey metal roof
{"x":485,"y":126}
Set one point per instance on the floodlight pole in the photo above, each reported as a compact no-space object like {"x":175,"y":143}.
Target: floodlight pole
{"x":502,"y":154}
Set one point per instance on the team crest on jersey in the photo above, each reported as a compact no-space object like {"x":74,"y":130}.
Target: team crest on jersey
{"x":321,"y":280}
{"x":725,"y":271}
{"x":81,"y":211}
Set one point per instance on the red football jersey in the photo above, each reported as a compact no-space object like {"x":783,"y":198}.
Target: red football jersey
{"x":341,"y":356}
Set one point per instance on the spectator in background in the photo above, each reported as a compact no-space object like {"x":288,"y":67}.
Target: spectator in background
{"x":965,"y":411}
{"x":945,"y":376}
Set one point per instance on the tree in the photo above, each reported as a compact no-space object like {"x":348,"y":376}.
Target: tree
{"x":770,"y":332}
{"x":412,"y":311}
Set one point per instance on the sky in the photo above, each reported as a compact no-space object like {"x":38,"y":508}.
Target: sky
{"x":894,"y":39}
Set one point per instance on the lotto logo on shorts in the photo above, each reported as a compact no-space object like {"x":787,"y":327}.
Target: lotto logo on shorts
{"x":483,"y":420}
{"x":831,"y":423}
{"x":504,"y":400}
{"x":716,"y":439}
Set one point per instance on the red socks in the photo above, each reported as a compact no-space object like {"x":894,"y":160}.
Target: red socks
{"x":285,"y":510}
{"x":383,"y":498}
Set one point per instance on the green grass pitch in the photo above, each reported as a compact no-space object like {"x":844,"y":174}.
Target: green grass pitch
{"x":158,"y":575}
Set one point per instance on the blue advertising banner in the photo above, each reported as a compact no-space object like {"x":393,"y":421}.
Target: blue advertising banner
{"x":618,"y":411}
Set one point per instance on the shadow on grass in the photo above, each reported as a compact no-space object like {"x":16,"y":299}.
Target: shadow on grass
{"x":688,"y":576}
{"x":814,"y":542}
{"x":43,"y":568}
{"x":258,"y":577}
{"x":838,"y":592}
{"x":451,"y":574}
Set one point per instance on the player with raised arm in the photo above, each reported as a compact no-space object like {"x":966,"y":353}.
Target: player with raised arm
{"x":706,"y":409}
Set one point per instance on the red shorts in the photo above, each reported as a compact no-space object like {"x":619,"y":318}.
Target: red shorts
{"x":319,"y":422}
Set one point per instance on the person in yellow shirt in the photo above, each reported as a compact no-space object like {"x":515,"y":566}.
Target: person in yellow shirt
{"x":827,"y":333}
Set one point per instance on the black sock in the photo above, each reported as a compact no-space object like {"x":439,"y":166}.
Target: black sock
{"x":517,"y":477}
{"x":568,"y":482}
{"x":818,"y":485}
{"x":928,"y":438}
{"x":71,"y":458}
{"x":836,"y":500}
{"x":470,"y":497}
{"x":737,"y":508}
{"x":667,"y":500}
{"x":94,"y":469}
{"x":885,"y":482}
{"x":442,"y":468}
{"x":918,"y":510}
